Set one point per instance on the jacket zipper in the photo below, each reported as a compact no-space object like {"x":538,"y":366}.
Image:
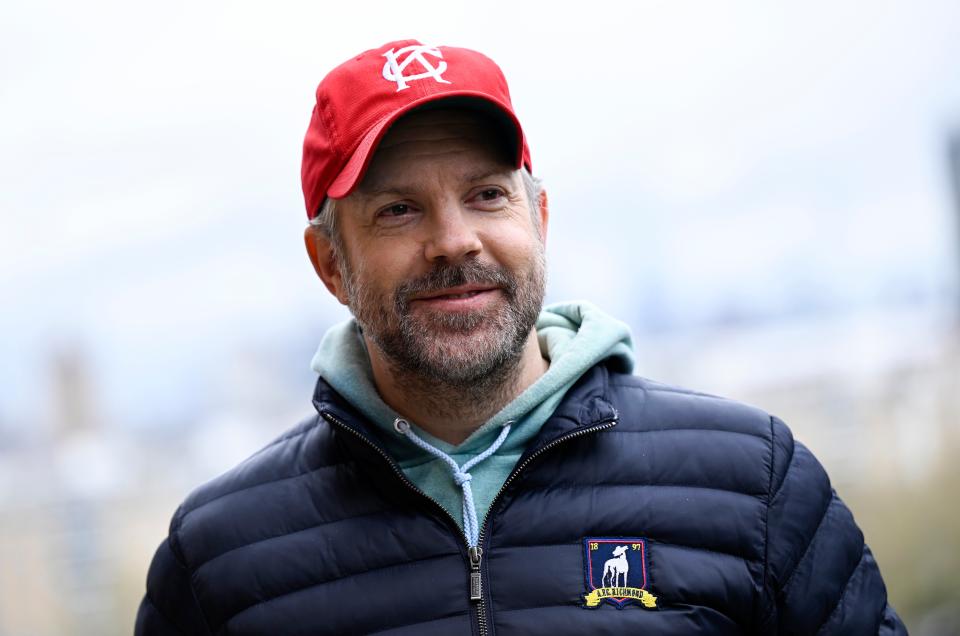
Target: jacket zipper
{"x":475,"y":553}
{"x":481,"y":608}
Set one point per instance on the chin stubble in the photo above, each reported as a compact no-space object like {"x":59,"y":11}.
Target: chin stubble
{"x":470,"y":353}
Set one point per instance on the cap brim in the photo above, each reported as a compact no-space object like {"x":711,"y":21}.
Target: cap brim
{"x":352,"y":173}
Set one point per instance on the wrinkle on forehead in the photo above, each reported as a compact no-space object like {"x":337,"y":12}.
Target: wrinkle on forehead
{"x":394,"y":184}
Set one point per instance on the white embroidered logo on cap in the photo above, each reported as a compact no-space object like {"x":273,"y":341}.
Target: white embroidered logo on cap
{"x":393,"y":70}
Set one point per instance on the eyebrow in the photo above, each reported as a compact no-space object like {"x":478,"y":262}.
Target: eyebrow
{"x":394,"y":189}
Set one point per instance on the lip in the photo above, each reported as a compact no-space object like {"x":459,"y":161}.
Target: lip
{"x":441,"y":294}
{"x":451,"y":298}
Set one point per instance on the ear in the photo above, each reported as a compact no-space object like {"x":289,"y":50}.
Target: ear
{"x":544,"y":216}
{"x":321,"y":253}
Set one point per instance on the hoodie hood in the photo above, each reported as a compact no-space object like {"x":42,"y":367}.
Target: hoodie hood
{"x":573,"y":336}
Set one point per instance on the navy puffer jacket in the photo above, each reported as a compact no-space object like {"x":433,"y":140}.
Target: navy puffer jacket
{"x":639,"y":509}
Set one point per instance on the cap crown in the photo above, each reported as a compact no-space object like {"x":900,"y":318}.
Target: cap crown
{"x":358,"y":100}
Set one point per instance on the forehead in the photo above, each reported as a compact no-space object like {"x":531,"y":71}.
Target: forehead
{"x":439,"y":136}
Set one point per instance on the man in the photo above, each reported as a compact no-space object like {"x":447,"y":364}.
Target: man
{"x":477,"y":465}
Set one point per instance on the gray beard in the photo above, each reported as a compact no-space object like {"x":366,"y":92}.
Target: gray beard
{"x":454,"y":362}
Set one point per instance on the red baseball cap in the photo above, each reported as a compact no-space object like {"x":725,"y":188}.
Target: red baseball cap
{"x":359,"y":100}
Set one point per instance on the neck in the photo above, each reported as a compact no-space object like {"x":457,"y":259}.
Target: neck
{"x":451,"y":413}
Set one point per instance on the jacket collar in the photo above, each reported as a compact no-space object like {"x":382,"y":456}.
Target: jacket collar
{"x":585,"y":404}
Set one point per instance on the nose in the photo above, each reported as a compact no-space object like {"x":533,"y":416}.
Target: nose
{"x":451,"y":234}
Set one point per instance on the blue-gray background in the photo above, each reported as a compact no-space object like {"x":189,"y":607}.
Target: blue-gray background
{"x":762,"y":190}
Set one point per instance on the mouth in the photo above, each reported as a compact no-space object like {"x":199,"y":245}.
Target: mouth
{"x":463,"y":298}
{"x":455,"y":293}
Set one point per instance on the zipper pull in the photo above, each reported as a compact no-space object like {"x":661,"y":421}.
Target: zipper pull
{"x":476,"y":587}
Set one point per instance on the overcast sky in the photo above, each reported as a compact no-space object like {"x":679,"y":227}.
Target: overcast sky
{"x":702,"y":160}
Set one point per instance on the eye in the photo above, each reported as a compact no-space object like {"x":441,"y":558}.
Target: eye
{"x":490,"y":194}
{"x":395,"y":210}
{"x":489,"y":197}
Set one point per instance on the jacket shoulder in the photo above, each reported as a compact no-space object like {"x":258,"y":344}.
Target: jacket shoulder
{"x":297,"y":450}
{"x":650,"y":405}
{"x":252,"y":501}
{"x":725,"y":437}
{"x":241,"y":507}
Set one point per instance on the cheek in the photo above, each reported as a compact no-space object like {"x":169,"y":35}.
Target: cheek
{"x":514,"y":246}
{"x":385,"y":263}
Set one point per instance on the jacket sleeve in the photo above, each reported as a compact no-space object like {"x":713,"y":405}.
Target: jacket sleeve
{"x":820,"y":576}
{"x":170,"y":607}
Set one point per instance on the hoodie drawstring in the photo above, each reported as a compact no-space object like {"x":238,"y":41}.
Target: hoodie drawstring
{"x":461,"y":475}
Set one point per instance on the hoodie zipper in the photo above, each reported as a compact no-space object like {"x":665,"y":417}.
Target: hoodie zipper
{"x":474,"y":553}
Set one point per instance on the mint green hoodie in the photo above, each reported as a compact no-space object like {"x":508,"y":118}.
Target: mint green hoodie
{"x":572,"y":336}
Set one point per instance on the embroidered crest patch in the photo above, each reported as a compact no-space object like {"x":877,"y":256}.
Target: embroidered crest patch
{"x":616,"y":572}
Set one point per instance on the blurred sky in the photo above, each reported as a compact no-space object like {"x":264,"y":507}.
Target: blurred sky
{"x":705,"y":162}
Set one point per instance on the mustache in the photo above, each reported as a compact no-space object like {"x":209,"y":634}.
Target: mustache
{"x":446,"y":275}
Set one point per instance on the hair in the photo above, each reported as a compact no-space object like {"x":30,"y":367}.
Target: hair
{"x":326,"y":218}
